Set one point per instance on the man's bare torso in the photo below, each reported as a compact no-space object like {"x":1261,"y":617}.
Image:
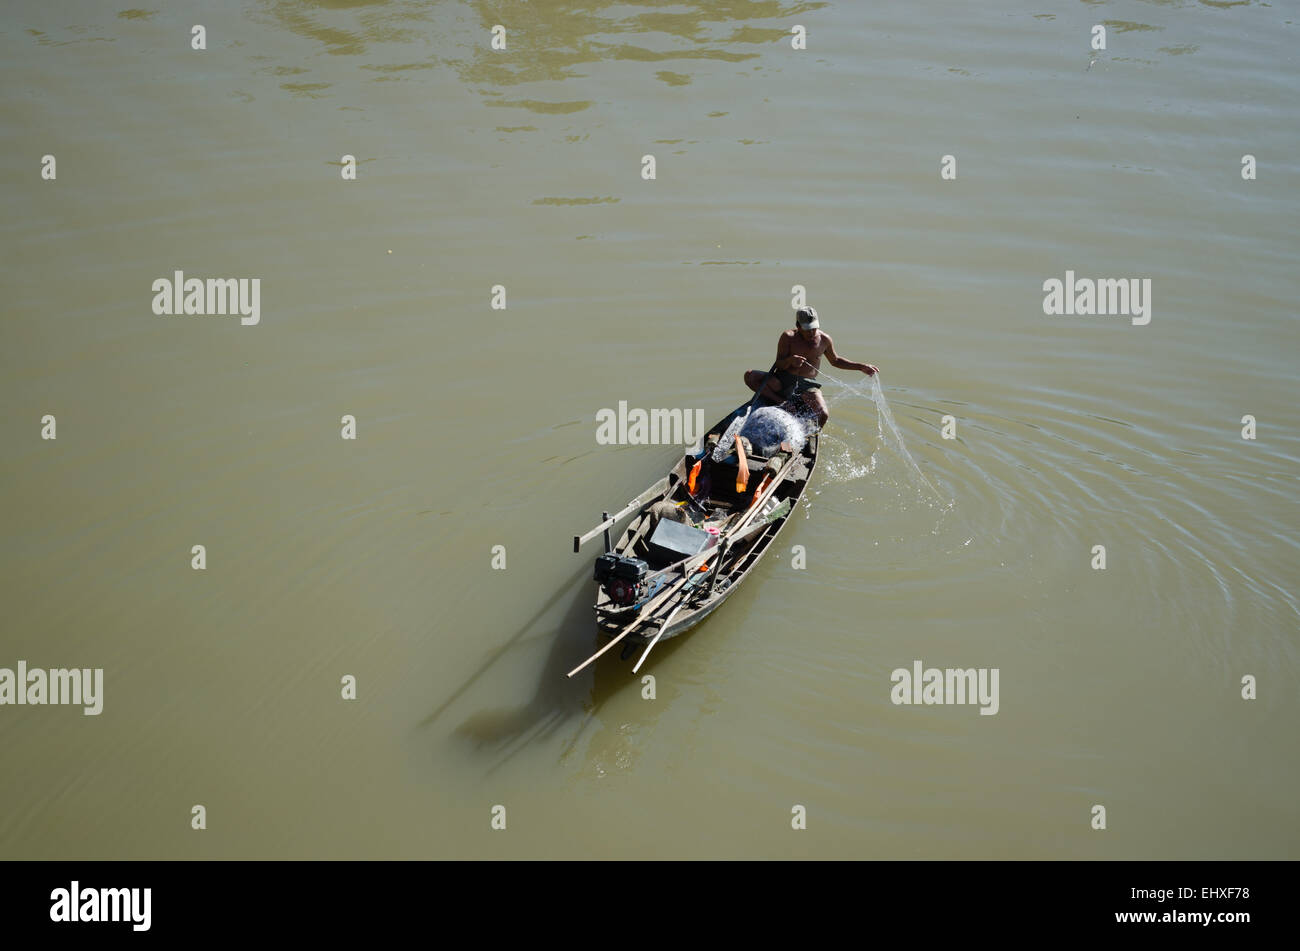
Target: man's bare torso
{"x":792,"y":342}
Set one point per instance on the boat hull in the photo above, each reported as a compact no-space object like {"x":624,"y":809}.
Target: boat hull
{"x":737,"y":565}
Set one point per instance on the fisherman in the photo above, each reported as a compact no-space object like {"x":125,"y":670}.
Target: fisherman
{"x":798,"y":358}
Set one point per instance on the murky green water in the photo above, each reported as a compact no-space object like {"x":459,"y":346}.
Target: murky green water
{"x":522,"y":167}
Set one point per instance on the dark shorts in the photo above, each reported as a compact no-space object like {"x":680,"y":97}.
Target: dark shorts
{"x":792,"y":386}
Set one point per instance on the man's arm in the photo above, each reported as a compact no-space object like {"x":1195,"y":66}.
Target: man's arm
{"x":835,"y":360}
{"x":784,"y":359}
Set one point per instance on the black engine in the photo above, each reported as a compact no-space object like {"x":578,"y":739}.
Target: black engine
{"x":623,"y":578}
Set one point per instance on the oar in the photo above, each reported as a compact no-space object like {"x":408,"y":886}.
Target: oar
{"x":671,"y":614}
{"x":646,"y":612}
{"x":764,"y":493}
{"x":650,"y":646}
{"x":611,"y":643}
{"x":736,"y":535}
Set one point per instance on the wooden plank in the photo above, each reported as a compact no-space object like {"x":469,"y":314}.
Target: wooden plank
{"x":645,"y":614}
{"x":766,"y":494}
{"x":686,"y":564}
{"x":686,"y":588}
{"x":659,"y":488}
{"x":640,"y":533}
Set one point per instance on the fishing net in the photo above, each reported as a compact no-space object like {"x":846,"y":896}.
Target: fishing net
{"x":769,"y":426}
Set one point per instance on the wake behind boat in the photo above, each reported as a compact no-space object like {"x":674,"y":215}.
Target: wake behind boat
{"x":699,"y":531}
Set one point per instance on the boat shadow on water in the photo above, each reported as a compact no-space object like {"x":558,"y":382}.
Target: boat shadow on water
{"x":556,"y":700}
{"x":751,"y":516}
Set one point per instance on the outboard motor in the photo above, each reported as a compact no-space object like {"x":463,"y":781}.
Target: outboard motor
{"x":623,"y":578}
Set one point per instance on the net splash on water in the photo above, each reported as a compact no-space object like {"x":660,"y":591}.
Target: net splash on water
{"x":887,"y":429}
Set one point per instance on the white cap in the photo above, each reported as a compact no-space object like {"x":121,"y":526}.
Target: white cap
{"x":806,"y":318}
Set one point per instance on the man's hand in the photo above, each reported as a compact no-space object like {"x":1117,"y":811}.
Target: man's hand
{"x":870,"y":370}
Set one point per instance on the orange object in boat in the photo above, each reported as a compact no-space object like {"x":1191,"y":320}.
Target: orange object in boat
{"x":695,"y":471}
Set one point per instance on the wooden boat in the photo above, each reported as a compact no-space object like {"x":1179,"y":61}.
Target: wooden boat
{"x":685,"y":552}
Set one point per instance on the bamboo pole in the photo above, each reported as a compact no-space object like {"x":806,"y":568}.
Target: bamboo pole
{"x":656,"y":489}
{"x":762,"y":497}
{"x":694,"y":580}
{"x":646,"y":613}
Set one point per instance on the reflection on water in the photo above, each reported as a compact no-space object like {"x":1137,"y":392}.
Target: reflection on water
{"x":545,"y":41}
